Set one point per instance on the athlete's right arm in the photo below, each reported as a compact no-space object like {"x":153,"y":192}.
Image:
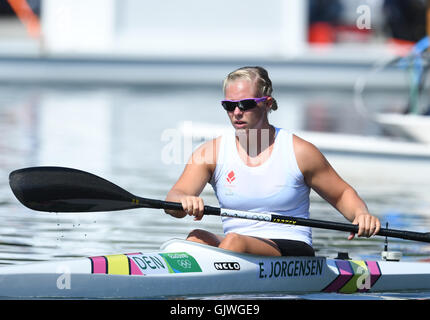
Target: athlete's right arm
{"x":197,"y":173}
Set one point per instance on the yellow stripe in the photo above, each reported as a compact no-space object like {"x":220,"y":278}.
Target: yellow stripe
{"x":360,"y":272}
{"x":117,"y":264}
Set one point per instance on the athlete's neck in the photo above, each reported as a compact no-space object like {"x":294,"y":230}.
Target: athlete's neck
{"x":255,"y":141}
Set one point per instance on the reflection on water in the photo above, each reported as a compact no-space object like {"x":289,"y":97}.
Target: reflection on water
{"x":117,"y":133}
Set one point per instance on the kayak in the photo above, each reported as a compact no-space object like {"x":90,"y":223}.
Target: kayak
{"x":183,"y":268}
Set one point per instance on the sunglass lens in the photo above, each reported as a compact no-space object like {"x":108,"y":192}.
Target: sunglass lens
{"x":229,"y":105}
{"x":247,"y":104}
{"x":243,"y":105}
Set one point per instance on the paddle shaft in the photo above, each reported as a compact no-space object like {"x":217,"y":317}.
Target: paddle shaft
{"x":59,"y":189}
{"x":276,"y":218}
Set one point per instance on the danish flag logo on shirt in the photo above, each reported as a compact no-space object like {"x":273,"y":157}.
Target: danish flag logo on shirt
{"x":231,"y":177}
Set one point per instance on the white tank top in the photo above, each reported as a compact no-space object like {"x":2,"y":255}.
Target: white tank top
{"x":277,"y":185}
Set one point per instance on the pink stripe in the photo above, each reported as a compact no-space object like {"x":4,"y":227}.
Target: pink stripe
{"x":374,"y":271}
{"x":134,"y":269}
{"x":98,"y":264}
{"x":345,"y":274}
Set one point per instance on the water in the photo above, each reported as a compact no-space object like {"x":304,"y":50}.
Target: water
{"x":120,"y":134}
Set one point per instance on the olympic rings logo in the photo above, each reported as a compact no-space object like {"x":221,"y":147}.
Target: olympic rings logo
{"x":184,"y":263}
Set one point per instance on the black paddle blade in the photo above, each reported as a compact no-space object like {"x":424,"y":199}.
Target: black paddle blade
{"x":58,"y":189}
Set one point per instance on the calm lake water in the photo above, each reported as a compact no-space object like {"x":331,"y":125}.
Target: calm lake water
{"x":120,"y":134}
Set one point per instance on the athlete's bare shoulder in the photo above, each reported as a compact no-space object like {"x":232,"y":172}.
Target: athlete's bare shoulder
{"x":206,"y":153}
{"x":309,"y":157}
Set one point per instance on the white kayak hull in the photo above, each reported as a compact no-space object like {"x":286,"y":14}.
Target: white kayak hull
{"x":183,"y":268}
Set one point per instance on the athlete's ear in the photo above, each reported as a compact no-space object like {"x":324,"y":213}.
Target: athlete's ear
{"x":269,"y":102}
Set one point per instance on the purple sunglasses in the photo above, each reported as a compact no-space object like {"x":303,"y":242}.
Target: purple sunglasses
{"x":243,"y":105}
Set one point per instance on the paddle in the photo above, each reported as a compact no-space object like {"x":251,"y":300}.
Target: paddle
{"x":58,"y":189}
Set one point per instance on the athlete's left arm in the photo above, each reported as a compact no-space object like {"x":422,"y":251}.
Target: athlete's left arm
{"x":322,"y":178}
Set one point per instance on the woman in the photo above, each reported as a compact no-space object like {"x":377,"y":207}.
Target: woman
{"x":262,"y":168}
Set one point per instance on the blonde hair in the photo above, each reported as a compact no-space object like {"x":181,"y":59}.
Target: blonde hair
{"x":259,"y":75}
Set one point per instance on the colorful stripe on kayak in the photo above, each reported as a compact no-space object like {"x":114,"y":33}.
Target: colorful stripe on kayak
{"x":354,"y":276}
{"x":141,"y":264}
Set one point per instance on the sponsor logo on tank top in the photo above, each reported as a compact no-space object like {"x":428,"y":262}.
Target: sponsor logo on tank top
{"x":230,"y":177}
{"x":230,"y":183}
